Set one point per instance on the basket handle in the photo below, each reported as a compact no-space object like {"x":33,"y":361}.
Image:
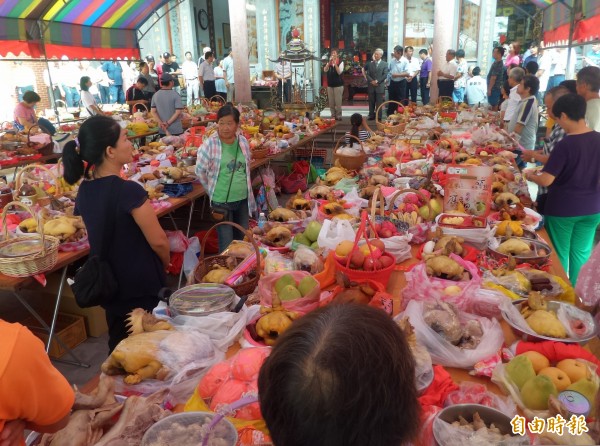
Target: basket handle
{"x":396,"y":194}
{"x":385,"y":103}
{"x":37,"y":166}
{"x":29,"y":143}
{"x":143,"y":105}
{"x":250,"y":399}
{"x":40,"y":229}
{"x":377,"y":201}
{"x":238,"y":227}
{"x":343,"y":138}
{"x":362,"y":232}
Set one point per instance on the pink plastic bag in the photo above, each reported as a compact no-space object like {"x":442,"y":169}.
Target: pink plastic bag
{"x":303,"y":305}
{"x":420,"y":286}
{"x":177,"y":241}
{"x":588,"y":281}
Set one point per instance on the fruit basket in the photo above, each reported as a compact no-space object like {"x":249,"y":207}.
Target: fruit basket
{"x":394,"y":124}
{"x":371,"y":258}
{"x":25,"y":256}
{"x":54,"y":190}
{"x":524,"y":250}
{"x":214,"y":104}
{"x":349,"y":162}
{"x":206,"y":264}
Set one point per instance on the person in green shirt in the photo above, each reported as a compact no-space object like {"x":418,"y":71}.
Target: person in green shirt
{"x":223,"y":167}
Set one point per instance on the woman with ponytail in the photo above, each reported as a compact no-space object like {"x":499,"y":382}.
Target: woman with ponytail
{"x":360,"y":129}
{"x":122,"y":226}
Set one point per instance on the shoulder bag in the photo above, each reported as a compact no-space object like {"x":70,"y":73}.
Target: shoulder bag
{"x":220,"y":213}
{"x":95,"y":283}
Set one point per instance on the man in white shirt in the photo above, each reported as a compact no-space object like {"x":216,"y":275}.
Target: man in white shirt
{"x":206,"y":75}
{"x":189,"y":70}
{"x":229,"y":75}
{"x":476,"y":90}
{"x":460,"y":79}
{"x":413,"y":66}
{"x":398,"y":74}
{"x":446,"y":75}
{"x":514,"y":79}
{"x":588,"y":85}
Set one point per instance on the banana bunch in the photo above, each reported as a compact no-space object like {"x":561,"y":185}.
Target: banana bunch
{"x":251,"y":129}
{"x":336,"y":174}
{"x":411,"y":218}
{"x":64,"y":186}
{"x":281,"y":129}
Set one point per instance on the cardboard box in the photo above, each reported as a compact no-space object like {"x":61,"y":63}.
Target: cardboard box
{"x":95,"y":317}
{"x":70,"y":328}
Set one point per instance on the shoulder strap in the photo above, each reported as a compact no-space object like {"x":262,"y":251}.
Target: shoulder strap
{"x":237,"y":151}
{"x":110,"y":218}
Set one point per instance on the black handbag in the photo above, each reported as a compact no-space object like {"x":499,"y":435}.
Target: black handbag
{"x":95,"y":282}
{"x":220,"y":213}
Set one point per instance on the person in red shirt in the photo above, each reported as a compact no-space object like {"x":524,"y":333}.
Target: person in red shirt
{"x":33,"y":394}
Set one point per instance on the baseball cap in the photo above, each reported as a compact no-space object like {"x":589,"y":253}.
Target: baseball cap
{"x":149,"y":57}
{"x":166,"y":55}
{"x":206,"y":49}
{"x":166,"y":77}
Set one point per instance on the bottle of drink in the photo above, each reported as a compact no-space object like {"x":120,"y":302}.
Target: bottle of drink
{"x":262,"y":220}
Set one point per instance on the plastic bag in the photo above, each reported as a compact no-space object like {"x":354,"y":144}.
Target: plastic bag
{"x":305,"y":259}
{"x":333,"y":232}
{"x":276,"y":262}
{"x":346,"y":184}
{"x":190,"y":256}
{"x":228,"y":382}
{"x":354,"y":199}
{"x":485,"y":303}
{"x":421,"y":286}
{"x":303,"y":305}
{"x":177,"y":241}
{"x":381,"y":299}
{"x":446,"y":354}
{"x":399,"y":247}
{"x":222,"y":328}
{"x":588,"y":281}
{"x":474,"y":393}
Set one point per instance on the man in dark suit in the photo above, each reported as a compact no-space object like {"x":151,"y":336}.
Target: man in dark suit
{"x":376,"y":71}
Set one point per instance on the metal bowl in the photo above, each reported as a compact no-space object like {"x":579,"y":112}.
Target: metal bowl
{"x":534,"y":244}
{"x":201,"y":299}
{"x":164,"y":431}
{"x":532,"y":336}
{"x":488,"y":415}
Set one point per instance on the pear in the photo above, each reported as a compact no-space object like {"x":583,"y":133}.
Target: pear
{"x":520,"y":370}
{"x":536,"y":391}
{"x":302,"y":239}
{"x":283,"y":281}
{"x":587,"y":388}
{"x":314,"y":245}
{"x":307,"y":284}
{"x":312,"y":230}
{"x":289,"y":292}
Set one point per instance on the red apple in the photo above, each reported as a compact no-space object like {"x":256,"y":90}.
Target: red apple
{"x":369,"y":264}
{"x":386,"y":261}
{"x":357,"y":259}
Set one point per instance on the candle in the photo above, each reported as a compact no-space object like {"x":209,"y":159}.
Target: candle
{"x":327,"y":43}
{"x":341,"y":45}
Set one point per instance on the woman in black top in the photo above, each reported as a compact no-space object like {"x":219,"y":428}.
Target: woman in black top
{"x":139,"y":250}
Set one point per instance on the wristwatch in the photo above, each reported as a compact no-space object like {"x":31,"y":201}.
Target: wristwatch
{"x":533,"y":160}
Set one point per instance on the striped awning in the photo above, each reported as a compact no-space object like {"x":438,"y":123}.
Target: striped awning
{"x":75,"y":28}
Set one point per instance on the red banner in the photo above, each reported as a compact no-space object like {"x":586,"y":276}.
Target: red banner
{"x":325,"y":25}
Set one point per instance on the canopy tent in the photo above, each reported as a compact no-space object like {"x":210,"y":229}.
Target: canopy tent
{"x":558,"y":18}
{"x":78,"y":29}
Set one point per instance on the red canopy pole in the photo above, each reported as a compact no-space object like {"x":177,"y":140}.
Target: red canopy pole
{"x":43,"y":45}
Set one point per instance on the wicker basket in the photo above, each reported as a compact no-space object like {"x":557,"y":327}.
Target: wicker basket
{"x":31,"y":264}
{"x":393,"y":129}
{"x":446,"y":103}
{"x":259,"y":154}
{"x":19,"y":183}
{"x":427,"y":202}
{"x":216,"y":98}
{"x":350,"y":162}
{"x":205,"y":264}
